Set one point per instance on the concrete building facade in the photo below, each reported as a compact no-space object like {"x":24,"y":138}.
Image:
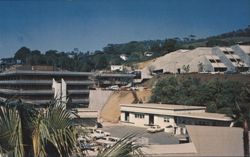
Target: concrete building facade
{"x":230,"y":58}
{"x":243,"y":51}
{"x":201,"y":59}
{"x":164,"y":115}
{"x":36,"y":86}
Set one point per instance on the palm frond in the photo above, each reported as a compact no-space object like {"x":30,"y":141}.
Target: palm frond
{"x":62,"y":135}
{"x":11,"y":141}
{"x":125,"y":147}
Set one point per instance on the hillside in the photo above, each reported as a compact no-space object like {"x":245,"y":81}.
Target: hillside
{"x":134,"y":51}
{"x":111,"y":110}
{"x":202,"y":77}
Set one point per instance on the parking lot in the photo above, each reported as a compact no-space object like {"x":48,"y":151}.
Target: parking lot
{"x":153,"y":138}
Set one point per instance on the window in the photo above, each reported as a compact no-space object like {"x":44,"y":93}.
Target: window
{"x":232,"y":60}
{"x":228,"y":52}
{"x":139,"y":115}
{"x":220,"y":69}
{"x":238,"y":60}
{"x":212,"y":61}
{"x":225,"y":52}
{"x":166,"y":119}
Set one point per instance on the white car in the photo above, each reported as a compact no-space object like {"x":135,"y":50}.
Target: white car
{"x":107,"y":141}
{"x":99,"y":134}
{"x":115,"y":87}
{"x":154,"y":128}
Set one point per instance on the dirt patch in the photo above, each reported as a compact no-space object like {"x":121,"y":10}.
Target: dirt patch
{"x":144,"y":64}
{"x":111,"y":110}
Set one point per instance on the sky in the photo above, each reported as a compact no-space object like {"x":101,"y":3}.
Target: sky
{"x":90,"y":25}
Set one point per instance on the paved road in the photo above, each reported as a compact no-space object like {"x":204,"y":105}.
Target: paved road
{"x":154,"y":138}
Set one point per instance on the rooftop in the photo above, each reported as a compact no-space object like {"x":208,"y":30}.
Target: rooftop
{"x":200,"y":115}
{"x":216,"y":141}
{"x":165,"y":106}
{"x":245,"y":48}
{"x":206,"y":115}
{"x":87,"y":113}
{"x":31,"y":72}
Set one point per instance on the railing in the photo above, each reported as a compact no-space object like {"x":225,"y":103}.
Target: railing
{"x":45,"y":82}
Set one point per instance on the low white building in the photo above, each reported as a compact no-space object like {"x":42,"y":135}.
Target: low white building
{"x":164,"y":115}
{"x":117,"y":68}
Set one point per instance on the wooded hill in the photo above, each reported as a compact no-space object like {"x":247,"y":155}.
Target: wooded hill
{"x":134,"y":50}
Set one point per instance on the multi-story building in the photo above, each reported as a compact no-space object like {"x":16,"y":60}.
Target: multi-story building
{"x":36,"y":86}
{"x":109,"y":79}
{"x":200,"y":59}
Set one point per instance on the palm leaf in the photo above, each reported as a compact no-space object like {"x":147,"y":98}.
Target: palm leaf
{"x":126,"y":147}
{"x":58,"y":121}
{"x":10,"y":132}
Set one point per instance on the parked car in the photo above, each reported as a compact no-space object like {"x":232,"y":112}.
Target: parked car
{"x":154,"y":129}
{"x":88,"y":146}
{"x":114,"y":87}
{"x":107,"y":141}
{"x":97,"y":134}
{"x":169,"y":129}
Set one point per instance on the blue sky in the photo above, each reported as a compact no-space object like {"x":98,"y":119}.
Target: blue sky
{"x":90,"y":24}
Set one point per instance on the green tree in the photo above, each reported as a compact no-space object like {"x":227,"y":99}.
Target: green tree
{"x":170,"y":45}
{"x":241,"y":115}
{"x":217,"y":95}
{"x":26,"y":131}
{"x":186,"y":68}
{"x":101,"y":62}
{"x":22,"y":54}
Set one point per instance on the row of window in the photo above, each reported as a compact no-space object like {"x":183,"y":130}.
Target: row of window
{"x":234,"y":60}
{"x":139,"y":115}
{"x":228,"y":52}
{"x":214,"y":60}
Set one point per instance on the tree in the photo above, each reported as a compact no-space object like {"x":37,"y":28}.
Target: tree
{"x":186,"y":68}
{"x":155,"y":47}
{"x":30,"y":132}
{"x":241,"y":115}
{"x":169,"y":45}
{"x":26,"y":131}
{"x":22,"y":54}
{"x":126,"y":147}
{"x":192,"y":37}
{"x":200,"y":67}
{"x":101,"y":62}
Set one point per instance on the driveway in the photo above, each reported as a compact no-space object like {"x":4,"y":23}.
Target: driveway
{"x":160,"y":138}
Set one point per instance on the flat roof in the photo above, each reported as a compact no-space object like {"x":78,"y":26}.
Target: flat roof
{"x":196,"y":115}
{"x":205,"y":115}
{"x":114,"y":75}
{"x":37,"y":72}
{"x":87,"y":113}
{"x":245,"y":48}
{"x":164,"y":106}
{"x":216,"y":141}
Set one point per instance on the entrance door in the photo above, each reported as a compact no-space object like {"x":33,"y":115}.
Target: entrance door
{"x":151,"y":119}
{"x":127,"y":116}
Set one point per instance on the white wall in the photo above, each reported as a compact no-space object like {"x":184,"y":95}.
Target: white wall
{"x":158,"y":111}
{"x":143,"y":122}
{"x":116,"y":67}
